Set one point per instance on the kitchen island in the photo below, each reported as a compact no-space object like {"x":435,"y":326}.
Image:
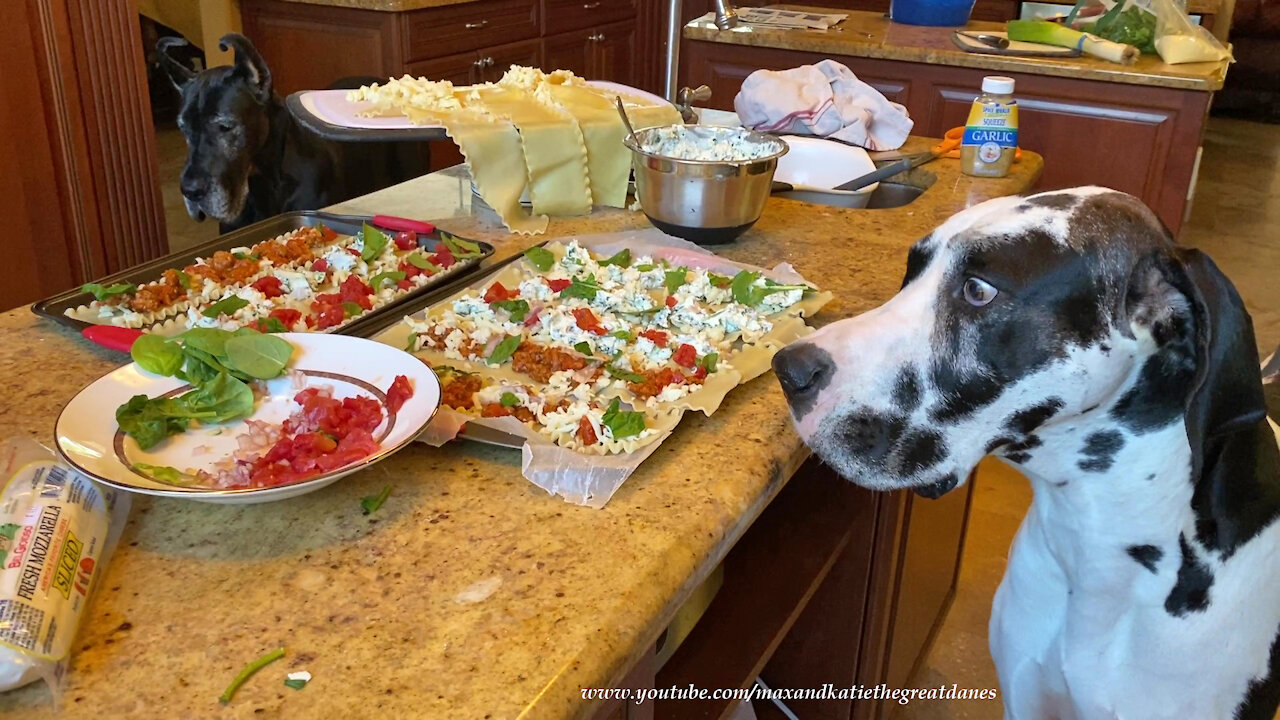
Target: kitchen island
{"x":1135,"y":128}
{"x":473,"y":594}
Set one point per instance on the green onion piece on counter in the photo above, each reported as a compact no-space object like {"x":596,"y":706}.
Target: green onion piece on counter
{"x":248,"y":672}
{"x":374,"y":242}
{"x":103,"y":292}
{"x":508,"y":400}
{"x":297,"y":683}
{"x":371,"y":503}
{"x":622,"y":258}
{"x":505,"y":350}
{"x":583,"y":347}
{"x":226,"y":306}
{"x":540,"y":257}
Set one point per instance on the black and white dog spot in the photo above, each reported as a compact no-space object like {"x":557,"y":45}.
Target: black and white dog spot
{"x":1054,"y":201}
{"x":1191,"y":591}
{"x":1019,"y":451}
{"x":1263,"y":694}
{"x":935,"y":490}
{"x":870,"y":436}
{"x":1146,"y":555}
{"x":1029,"y":420}
{"x":1100,"y":450}
{"x":906,"y":389}
{"x":921,"y":450}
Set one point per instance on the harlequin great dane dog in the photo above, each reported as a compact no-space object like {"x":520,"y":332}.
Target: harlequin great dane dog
{"x":1067,"y":334}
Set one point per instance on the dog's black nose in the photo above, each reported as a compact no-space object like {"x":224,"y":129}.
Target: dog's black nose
{"x":803,"y":370}
{"x":192,"y":188}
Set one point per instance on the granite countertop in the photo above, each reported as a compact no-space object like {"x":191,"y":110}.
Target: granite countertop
{"x":471,"y":593}
{"x":384,"y":5}
{"x":871,"y":35}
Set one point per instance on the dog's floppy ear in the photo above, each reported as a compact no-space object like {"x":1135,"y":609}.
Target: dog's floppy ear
{"x":178,"y":73}
{"x":249,"y":65}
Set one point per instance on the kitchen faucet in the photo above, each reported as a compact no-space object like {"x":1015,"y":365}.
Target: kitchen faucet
{"x":726,"y":19}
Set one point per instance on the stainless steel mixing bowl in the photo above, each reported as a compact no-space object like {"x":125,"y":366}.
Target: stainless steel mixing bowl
{"x":704,"y":201}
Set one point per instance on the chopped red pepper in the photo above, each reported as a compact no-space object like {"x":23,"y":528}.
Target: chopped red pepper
{"x":328,"y":316}
{"x":400,"y":391}
{"x":587,"y":433}
{"x":686,"y":356}
{"x":311,"y":321}
{"x":700,"y":373}
{"x":287,"y":316}
{"x":320,"y":265}
{"x":588,"y":321}
{"x":354,"y":251}
{"x":269,"y":286}
{"x":558,"y":285}
{"x":406,"y":239}
{"x":443,"y":257}
{"x":498,"y":293}
{"x":658,"y":337}
{"x":671,"y":301}
{"x":328,"y":234}
{"x":353,"y":289}
{"x":405,"y":284}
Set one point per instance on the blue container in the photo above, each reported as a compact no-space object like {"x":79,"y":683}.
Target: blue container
{"x":934,"y":13}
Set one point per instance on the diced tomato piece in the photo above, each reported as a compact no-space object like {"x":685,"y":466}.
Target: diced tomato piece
{"x":321,"y":264}
{"x":353,"y":289}
{"x":493,"y":410}
{"x":406,"y":239}
{"x":287,"y":316}
{"x":671,"y":301}
{"x":354,"y":251}
{"x":400,"y":391}
{"x":443,"y":257}
{"x":328,"y":233}
{"x":700,"y":373}
{"x":532,"y":318}
{"x":558,"y":285}
{"x":587,"y":433}
{"x":497,"y":293}
{"x":410,"y":270}
{"x":311,"y":321}
{"x":658,"y":337}
{"x":685,"y":356}
{"x":329,"y":316}
{"x":588,"y":321}
{"x":326,"y":299}
{"x":269,"y":286}
{"x":405,"y":285}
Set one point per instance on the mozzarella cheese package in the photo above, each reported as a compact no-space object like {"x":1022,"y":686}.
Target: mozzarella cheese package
{"x":57,"y":531}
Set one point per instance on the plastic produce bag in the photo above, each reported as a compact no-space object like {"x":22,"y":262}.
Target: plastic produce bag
{"x":57,"y":532}
{"x":1130,"y":22}
{"x":1178,"y":40}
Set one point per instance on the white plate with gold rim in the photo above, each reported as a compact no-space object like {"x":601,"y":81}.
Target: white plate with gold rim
{"x":89,"y":438}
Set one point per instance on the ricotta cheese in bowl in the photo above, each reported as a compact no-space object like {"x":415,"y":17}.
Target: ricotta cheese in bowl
{"x":709,"y":144}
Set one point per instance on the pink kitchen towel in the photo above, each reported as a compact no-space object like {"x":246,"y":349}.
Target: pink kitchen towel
{"x":826,"y":100}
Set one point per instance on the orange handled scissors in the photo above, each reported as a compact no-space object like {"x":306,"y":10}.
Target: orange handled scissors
{"x":950,"y":145}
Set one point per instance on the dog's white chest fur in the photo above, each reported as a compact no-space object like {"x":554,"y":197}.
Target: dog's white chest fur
{"x":1080,"y":630}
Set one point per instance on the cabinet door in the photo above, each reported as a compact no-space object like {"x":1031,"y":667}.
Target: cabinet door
{"x":614,"y":53}
{"x":461,"y":69}
{"x":570,"y":51}
{"x":497,"y":60}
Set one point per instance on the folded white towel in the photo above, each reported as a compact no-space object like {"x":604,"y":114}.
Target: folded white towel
{"x":826,"y":100}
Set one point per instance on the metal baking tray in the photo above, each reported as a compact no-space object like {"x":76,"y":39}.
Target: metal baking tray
{"x":367,"y":324}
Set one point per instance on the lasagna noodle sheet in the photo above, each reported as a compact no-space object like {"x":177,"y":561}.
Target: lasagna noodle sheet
{"x":492,"y":149}
{"x":554,"y":153}
{"x":608,"y":160}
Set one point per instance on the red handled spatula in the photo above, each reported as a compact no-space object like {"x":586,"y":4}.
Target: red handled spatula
{"x":112,"y":337}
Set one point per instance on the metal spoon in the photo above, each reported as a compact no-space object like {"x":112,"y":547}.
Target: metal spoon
{"x":627,"y":121}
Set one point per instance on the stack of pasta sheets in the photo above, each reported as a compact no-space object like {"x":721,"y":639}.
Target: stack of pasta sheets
{"x":548,"y":136}
{"x":592,"y":349}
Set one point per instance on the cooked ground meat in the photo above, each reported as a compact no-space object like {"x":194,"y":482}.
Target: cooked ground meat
{"x":460,"y":392}
{"x":541,"y":362}
{"x":150,"y":298}
{"x":656,"y":380}
{"x":296,"y":249}
{"x":520,"y":412}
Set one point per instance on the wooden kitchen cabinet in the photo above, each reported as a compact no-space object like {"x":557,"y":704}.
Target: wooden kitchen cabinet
{"x":604,"y":53}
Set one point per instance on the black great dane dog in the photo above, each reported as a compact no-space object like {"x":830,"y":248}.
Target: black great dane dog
{"x":248,"y":159}
{"x":1068,"y":335}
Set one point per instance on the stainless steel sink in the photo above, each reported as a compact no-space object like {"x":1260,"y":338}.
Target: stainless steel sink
{"x":892,"y":195}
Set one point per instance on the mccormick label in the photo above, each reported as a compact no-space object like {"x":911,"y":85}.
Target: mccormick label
{"x":992,"y":129}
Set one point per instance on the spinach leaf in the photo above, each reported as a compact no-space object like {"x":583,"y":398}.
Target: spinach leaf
{"x":377,"y":281}
{"x":622,"y":423}
{"x":374,"y":242}
{"x":461,"y":249}
{"x":221,"y":399}
{"x":226,"y":306}
{"x":623,"y":374}
{"x":517,"y":308}
{"x":157,"y":355}
{"x":274,"y":325}
{"x":645,"y":267}
{"x":505,"y":350}
{"x":146,"y":422}
{"x":675,"y":279}
{"x":719,"y":281}
{"x":540,"y":257}
{"x":203,"y":367}
{"x":165,"y":474}
{"x":622,"y":258}
{"x":422,"y":263}
{"x":623,"y":334}
{"x":583,"y":347}
{"x":508,"y":400}
{"x":210,"y":340}
{"x":744,"y":289}
{"x":259,"y":356}
{"x":103,"y":292}
{"x":585,"y":289}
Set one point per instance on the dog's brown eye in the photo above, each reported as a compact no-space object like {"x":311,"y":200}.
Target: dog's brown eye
{"x":979,"y":292}
{"x":224,"y":127}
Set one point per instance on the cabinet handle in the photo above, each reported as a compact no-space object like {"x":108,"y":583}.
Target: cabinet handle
{"x":596,"y":37}
{"x":488,"y":62}
{"x":591,"y":6}
{"x":476,"y":25}
{"x":478,"y":63}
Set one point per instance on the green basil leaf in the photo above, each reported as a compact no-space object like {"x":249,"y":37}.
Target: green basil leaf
{"x":103,"y":292}
{"x":623,"y":334}
{"x":541,"y":258}
{"x":166,"y":474}
{"x":622,"y":258}
{"x":745,"y":290}
{"x":517,"y":308}
{"x":374,"y":242}
{"x":350,"y":309}
{"x":583,"y":347}
{"x":422,"y":263}
{"x":259,"y":356}
{"x":709,"y":361}
{"x":622,"y":423}
{"x":226,"y":306}
{"x":718,"y":280}
{"x":505,"y":350}
{"x":508,"y":400}
{"x":580,"y":289}
{"x":184,"y":280}
{"x":370,"y":503}
{"x":157,"y":355}
{"x":623,"y":374}
{"x":377,"y":281}
{"x":645,"y":267}
{"x":460,"y":248}
{"x":675,"y":279}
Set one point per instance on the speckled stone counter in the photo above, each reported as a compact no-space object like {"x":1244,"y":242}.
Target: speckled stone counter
{"x":470,"y":593}
{"x":871,"y":35}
